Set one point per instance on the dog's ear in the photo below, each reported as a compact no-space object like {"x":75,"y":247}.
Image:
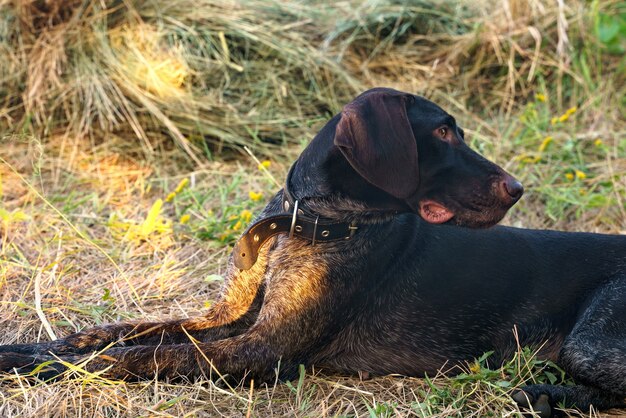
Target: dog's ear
{"x":375,"y":136}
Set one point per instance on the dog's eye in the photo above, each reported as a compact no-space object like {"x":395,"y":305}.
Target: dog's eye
{"x":444,"y":133}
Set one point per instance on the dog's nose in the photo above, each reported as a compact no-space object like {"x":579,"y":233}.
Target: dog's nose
{"x":513,"y":188}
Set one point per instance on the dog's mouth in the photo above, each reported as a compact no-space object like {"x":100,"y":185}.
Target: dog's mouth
{"x":434,"y":213}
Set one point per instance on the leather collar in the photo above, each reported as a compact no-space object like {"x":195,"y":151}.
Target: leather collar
{"x":293,"y":221}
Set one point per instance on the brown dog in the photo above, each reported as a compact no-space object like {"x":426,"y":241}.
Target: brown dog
{"x":341,"y":272}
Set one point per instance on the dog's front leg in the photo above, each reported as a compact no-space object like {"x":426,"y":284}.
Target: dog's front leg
{"x":256,"y":354}
{"x":230,"y":357}
{"x":169,"y":351}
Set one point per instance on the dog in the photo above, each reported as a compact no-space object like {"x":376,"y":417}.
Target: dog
{"x":380,"y":255}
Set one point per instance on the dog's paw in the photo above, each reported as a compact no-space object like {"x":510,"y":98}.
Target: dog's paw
{"x":60,"y":347}
{"x":10,"y":361}
{"x":25,"y":349}
{"x":44,"y":367}
{"x":539,"y":403}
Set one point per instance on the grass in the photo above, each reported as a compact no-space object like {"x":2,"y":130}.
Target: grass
{"x":123,"y":184}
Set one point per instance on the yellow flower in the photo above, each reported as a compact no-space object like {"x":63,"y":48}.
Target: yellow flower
{"x":565,"y":116}
{"x":183,"y":183}
{"x":254,"y":196}
{"x":540,"y":97}
{"x":597,"y":142}
{"x":475,"y":368}
{"x":185,"y":218}
{"x":580,"y":175}
{"x":246,"y":215}
{"x":544,"y":144}
{"x":569,"y":176}
{"x":528,"y":158}
{"x":237,"y":226}
{"x":150,"y":224}
{"x":531,"y":159}
{"x":170,"y":197}
{"x":265,"y":164}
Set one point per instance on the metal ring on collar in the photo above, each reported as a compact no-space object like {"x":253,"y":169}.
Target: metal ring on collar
{"x":293,"y":218}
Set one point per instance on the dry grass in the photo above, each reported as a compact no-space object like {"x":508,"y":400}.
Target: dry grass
{"x":93,"y":94}
{"x":192,"y":72}
{"x":213,"y":74}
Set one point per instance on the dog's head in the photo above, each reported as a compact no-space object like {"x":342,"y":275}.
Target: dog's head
{"x":412,"y":150}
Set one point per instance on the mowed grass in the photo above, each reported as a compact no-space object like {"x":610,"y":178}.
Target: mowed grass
{"x":123,"y":187}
